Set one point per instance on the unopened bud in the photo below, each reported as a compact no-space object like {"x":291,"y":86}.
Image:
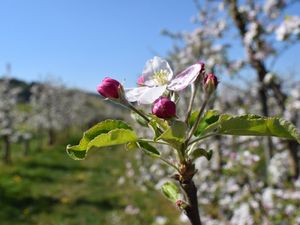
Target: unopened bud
{"x":181,"y":204}
{"x":164,"y":108}
{"x":210,"y":83}
{"x":109,"y":88}
{"x":141,"y":80}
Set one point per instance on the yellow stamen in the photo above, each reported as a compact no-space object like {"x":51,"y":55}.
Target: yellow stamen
{"x":161,"y":77}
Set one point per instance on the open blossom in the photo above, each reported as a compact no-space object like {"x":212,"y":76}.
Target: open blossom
{"x":109,"y":88}
{"x":164,"y":108}
{"x":157,"y":77}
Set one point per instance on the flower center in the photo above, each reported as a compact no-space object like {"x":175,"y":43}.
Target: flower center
{"x":161,"y":77}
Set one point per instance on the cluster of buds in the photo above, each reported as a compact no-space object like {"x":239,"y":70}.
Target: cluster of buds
{"x":156,"y":82}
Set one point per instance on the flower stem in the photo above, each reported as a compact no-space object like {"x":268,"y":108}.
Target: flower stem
{"x":194,"y":91}
{"x":130,"y":106}
{"x":155,"y":142}
{"x":138,"y":112}
{"x":169,"y":163}
{"x":201,"y":138}
{"x":195,"y":126}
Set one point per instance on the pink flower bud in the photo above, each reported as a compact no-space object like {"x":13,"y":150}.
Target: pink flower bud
{"x":164,"y":108}
{"x":109,"y":88}
{"x":181,"y":204}
{"x":210,"y":83}
{"x":141,"y":80}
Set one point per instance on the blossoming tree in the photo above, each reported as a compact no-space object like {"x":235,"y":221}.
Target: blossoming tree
{"x":183,"y":134}
{"x":8,"y":115}
{"x":264,"y":30}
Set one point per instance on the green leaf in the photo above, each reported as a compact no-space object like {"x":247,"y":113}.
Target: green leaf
{"x":114,"y":137}
{"x":156,"y":124}
{"x":103,"y":134}
{"x":176,"y":132}
{"x":199,"y":152}
{"x":148,"y":149}
{"x":253,"y":125}
{"x":170,"y":191}
{"x":209,"y":118}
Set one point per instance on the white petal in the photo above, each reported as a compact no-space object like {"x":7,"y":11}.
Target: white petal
{"x":185,"y":78}
{"x":151,"y":94}
{"x":153,"y":66}
{"x":133,"y":94}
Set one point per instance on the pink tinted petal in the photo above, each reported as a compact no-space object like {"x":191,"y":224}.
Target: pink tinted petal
{"x":151,"y":94}
{"x":185,"y":78}
{"x":141,"y":80}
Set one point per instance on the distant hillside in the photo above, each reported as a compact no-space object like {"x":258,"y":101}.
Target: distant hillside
{"x":25,"y":93}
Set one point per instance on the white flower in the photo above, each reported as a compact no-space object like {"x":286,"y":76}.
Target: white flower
{"x":157,"y":77}
{"x":131,"y":210}
{"x":251,"y":33}
{"x":242,"y":216}
{"x":267,"y":198}
{"x":161,"y":220}
{"x":291,"y":25}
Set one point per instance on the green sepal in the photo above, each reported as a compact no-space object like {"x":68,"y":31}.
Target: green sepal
{"x":170,"y":191}
{"x":157,"y":124}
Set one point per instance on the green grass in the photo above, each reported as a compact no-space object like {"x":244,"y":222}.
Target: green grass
{"x":49,"y":188}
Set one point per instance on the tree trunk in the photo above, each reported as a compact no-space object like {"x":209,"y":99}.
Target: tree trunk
{"x":280,"y":96}
{"x":258,"y":66}
{"x":26,"y":146}
{"x":187,"y":171}
{"x":6,"y":148}
{"x":51,"y":136}
{"x":191,"y":210}
{"x":293,"y":150}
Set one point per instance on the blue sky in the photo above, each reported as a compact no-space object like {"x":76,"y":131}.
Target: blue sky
{"x":84,"y":41}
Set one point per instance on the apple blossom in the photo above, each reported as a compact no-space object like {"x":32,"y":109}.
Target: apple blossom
{"x":157,"y":77}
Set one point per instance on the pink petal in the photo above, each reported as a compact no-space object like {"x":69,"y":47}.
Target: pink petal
{"x":141,"y":80}
{"x":185,"y":78}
